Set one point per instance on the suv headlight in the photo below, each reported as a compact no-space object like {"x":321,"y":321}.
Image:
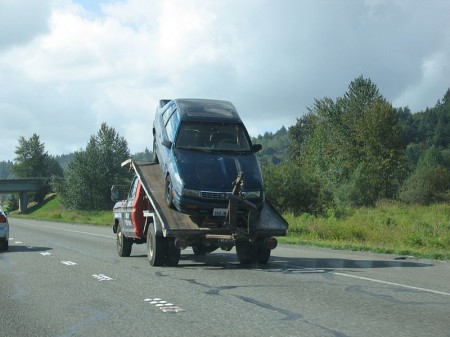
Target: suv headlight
{"x":191,"y":193}
{"x":253,"y":194}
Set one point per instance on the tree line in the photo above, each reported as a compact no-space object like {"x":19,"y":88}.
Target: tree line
{"x":351,"y":151}
{"x":359,"y":149}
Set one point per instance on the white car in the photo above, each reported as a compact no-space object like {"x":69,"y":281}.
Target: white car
{"x":4,"y":230}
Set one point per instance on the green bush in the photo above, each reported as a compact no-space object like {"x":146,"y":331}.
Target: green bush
{"x":289,"y":190}
{"x":427,"y":185}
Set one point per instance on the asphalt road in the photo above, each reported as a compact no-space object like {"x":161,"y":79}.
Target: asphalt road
{"x":67,"y":280}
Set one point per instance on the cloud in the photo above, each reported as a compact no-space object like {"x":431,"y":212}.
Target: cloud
{"x":21,"y":21}
{"x":67,"y":66}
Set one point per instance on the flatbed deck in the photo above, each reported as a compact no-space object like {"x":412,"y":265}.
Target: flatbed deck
{"x":174,"y":223}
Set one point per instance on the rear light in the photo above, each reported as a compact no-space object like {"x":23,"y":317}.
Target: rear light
{"x":2,"y":218}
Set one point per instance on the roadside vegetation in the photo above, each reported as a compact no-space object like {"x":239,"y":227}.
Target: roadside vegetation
{"x":390,"y":227}
{"x":353,"y":172}
{"x":51,"y":209}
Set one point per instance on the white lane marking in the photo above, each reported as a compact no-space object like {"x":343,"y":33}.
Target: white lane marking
{"x":102,"y":277}
{"x":18,"y":242}
{"x":164,"y":306}
{"x":68,"y":263}
{"x":45,"y":253}
{"x":393,"y":284}
{"x":80,"y":232}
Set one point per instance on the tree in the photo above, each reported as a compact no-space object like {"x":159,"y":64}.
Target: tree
{"x":353,"y":145}
{"x":5,"y":169}
{"x":289,"y":190}
{"x":92,"y":172}
{"x":32,"y":161}
{"x":430,"y":181}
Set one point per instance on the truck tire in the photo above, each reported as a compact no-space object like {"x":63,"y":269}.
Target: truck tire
{"x":173,"y":253}
{"x":262,"y":253}
{"x":123,"y":243}
{"x":246,"y":252}
{"x":156,"y":247}
{"x":169,"y":192}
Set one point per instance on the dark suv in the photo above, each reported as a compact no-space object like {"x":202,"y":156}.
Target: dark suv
{"x":201,"y":146}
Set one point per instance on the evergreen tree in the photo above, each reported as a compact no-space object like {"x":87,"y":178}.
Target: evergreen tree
{"x":32,"y":161}
{"x":92,"y":172}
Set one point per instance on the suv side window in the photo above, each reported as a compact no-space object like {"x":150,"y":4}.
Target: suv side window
{"x":168,"y":113}
{"x":172,"y":126}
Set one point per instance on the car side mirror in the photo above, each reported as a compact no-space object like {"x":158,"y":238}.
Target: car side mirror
{"x":115,"y":193}
{"x":167,"y":143}
{"x":119,"y":192}
{"x":257,"y":147}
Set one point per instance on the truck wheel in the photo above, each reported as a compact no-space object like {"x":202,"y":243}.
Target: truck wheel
{"x":173,"y":253}
{"x":123,"y":243}
{"x":156,"y":247}
{"x":246,"y":252}
{"x":262,"y":254}
{"x":169,"y":191}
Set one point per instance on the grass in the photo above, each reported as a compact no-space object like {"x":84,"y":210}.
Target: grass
{"x":52,"y":209}
{"x":393,"y":228}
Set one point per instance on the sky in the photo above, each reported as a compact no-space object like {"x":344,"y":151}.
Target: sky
{"x":67,"y":66}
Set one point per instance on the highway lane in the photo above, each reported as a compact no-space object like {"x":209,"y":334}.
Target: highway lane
{"x":67,"y":280}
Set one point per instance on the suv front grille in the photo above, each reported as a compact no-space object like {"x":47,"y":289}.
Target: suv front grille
{"x":214,"y":195}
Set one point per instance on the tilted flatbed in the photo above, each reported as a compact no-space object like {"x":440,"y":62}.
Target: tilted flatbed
{"x":166,"y":230}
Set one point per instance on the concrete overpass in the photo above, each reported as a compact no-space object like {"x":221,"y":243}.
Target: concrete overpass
{"x":23,"y":187}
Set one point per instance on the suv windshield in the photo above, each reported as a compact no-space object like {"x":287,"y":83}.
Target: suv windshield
{"x":207,"y":136}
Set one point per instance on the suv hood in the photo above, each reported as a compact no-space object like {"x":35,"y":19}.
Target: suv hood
{"x":216,"y":171}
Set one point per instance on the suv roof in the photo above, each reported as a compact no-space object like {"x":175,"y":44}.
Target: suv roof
{"x":206,"y":109}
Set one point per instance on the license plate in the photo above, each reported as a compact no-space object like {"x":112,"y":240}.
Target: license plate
{"x":219,"y":211}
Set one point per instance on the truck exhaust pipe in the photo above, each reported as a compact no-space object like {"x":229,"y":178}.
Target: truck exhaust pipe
{"x":271,"y":243}
{"x":181,"y":243}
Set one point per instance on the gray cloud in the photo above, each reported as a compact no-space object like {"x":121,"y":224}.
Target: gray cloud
{"x":73,"y":66}
{"x":22,"y":20}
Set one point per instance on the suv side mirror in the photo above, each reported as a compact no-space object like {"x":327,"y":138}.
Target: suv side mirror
{"x":167,"y":143}
{"x":257,"y":147}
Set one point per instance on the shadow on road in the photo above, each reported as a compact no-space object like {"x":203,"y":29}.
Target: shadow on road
{"x":229,"y":261}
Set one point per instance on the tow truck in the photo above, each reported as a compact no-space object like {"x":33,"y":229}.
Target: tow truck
{"x":145,"y":218}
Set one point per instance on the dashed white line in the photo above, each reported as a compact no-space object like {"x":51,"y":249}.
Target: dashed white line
{"x":164,"y":306}
{"x":393,"y":284}
{"x":102,"y":277}
{"x":69,"y":263}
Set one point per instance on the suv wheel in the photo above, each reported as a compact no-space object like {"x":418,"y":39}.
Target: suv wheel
{"x":169,"y":192}
{"x":154,"y":155}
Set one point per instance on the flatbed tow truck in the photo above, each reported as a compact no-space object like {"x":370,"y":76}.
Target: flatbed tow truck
{"x":144,"y":217}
